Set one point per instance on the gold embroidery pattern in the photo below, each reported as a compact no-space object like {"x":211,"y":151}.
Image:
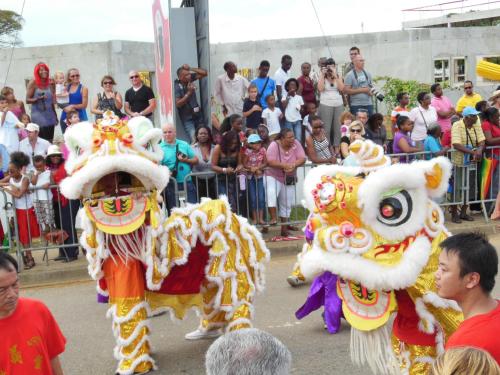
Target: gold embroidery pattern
{"x":35,"y":340}
{"x":38,"y":362}
{"x":15,"y":355}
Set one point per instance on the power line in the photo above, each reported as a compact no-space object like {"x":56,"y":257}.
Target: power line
{"x":321,"y":28}
{"x":12,"y":48}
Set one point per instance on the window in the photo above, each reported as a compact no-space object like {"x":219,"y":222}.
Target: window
{"x":248,"y":73}
{"x":481,"y":81}
{"x":458,"y":70}
{"x":441,"y":70}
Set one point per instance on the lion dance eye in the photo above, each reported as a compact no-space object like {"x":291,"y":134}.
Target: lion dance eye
{"x":396,"y":209}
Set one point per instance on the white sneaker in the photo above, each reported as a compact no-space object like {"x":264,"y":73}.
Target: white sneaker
{"x":200,"y":334}
{"x":294,"y":281}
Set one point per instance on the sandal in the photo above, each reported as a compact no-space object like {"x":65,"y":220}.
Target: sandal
{"x":272,"y":223}
{"x":292,"y":228}
{"x":264,"y":230}
{"x":285,"y":233}
{"x":456,"y":219}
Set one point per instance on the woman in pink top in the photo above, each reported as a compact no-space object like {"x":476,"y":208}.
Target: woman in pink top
{"x":444,"y":107}
{"x":284,"y":155}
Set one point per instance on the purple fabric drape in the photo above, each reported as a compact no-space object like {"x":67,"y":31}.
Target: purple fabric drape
{"x":323,"y":292}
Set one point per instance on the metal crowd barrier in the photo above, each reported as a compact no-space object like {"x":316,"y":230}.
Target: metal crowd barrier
{"x":464,"y":188}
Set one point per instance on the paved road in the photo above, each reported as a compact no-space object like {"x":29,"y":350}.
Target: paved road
{"x":90,"y":341}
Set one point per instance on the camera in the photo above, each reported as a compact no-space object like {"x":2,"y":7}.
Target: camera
{"x":377,"y":93}
{"x":181,"y":155}
{"x":330,"y":62}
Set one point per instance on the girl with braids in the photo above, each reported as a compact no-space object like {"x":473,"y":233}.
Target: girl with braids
{"x":18,"y":185}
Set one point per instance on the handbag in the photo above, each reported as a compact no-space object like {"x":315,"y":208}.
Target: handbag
{"x":289,"y":179}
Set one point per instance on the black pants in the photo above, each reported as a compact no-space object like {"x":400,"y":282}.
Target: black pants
{"x":47,"y":133}
{"x":65,"y":219}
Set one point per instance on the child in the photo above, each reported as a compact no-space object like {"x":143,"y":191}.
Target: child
{"x":252,"y":111}
{"x":62,"y":94}
{"x":25,"y":119}
{"x":18,"y":185}
{"x":311,"y":109}
{"x":292,"y":102}
{"x":72,"y":118}
{"x":42,"y":196}
{"x":8,"y":126}
{"x":272,"y":116}
{"x":254,"y":161}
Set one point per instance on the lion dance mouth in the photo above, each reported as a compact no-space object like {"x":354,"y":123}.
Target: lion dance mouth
{"x":202,"y":257}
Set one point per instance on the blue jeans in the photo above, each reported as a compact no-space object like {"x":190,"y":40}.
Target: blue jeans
{"x":296,"y":126}
{"x":355,"y":108}
{"x":256,"y":193}
{"x":171,"y":196}
{"x":189,"y":128}
{"x":227,"y":186}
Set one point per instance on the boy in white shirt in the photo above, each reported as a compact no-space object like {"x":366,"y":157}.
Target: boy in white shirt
{"x":272,"y":116}
{"x":42,"y":196}
{"x":292,"y":102}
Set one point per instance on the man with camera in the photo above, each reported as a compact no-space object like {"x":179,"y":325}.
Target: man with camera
{"x":179,"y":157}
{"x":358,"y":85}
{"x":185,"y":98}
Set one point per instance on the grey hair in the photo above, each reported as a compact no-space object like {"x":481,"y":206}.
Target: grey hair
{"x":433,"y":126}
{"x":248,"y":352}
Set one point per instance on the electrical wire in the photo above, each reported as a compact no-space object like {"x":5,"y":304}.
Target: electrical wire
{"x":12,"y":48}
{"x":321,"y":28}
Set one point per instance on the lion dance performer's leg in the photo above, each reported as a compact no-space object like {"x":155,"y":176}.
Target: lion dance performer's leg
{"x":129,"y":312}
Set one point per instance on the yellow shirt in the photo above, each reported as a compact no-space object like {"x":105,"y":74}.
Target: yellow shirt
{"x":468,"y":101}
{"x":466,"y":137}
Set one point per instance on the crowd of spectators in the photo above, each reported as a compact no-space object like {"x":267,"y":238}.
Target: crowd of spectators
{"x":269,"y":128}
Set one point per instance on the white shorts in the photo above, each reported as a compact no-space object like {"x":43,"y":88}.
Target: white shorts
{"x":277,"y":193}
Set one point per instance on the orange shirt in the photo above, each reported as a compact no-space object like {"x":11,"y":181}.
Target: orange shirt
{"x":480,"y":331}
{"x":30,"y":338}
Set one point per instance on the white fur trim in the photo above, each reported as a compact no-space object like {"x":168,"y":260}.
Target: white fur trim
{"x":441,"y":303}
{"x":80,"y":184}
{"x":370,"y":274}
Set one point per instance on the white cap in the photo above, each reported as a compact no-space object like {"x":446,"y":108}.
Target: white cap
{"x":32,"y":127}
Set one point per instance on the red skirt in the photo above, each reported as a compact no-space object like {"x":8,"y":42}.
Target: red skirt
{"x":27,"y":225}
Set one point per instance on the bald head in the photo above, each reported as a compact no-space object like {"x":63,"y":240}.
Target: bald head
{"x":169,"y":133}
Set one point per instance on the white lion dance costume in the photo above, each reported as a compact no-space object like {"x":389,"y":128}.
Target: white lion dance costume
{"x":377,"y":229}
{"x":203,"y":256}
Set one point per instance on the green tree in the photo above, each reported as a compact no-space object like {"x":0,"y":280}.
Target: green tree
{"x":392,"y":86}
{"x":10,"y":25}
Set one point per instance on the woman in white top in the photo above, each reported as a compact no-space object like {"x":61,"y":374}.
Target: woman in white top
{"x":422,"y":116}
{"x":204,"y":180}
{"x":331,"y":103}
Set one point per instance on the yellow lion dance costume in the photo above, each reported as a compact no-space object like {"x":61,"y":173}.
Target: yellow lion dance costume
{"x":377,"y":228}
{"x":202,"y":257}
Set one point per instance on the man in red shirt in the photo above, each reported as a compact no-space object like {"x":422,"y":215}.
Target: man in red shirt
{"x":466,"y":273}
{"x":31,"y":340}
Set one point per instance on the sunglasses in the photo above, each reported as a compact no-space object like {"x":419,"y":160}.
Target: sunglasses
{"x":132,"y":77}
{"x":74,"y":75}
{"x":355,"y":130}
{"x":107,"y":83}
{"x":467,"y":88}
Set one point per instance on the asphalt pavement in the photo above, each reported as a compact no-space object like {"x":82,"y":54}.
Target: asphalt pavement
{"x":90,"y":341}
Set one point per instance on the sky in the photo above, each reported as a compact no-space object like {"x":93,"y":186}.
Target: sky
{"x":49,"y":22}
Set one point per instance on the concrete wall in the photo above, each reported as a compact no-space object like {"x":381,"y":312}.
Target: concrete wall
{"x":406,"y":54}
{"x":93,"y":60}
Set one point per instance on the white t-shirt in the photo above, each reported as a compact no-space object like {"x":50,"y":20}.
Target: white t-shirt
{"x":8,"y":132}
{"x":272,"y":120}
{"x":60,"y":90}
{"x":306,"y":124}
{"x":292,"y":111}
{"x":42,"y":194}
{"x":330,"y":96}
{"x":280,"y":78}
{"x":417,"y":115}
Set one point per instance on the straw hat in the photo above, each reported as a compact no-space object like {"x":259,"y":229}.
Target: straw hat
{"x":495,"y":95}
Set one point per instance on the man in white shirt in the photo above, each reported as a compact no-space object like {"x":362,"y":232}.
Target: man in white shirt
{"x":230,"y":89}
{"x":282,"y":75}
{"x":33,"y":144}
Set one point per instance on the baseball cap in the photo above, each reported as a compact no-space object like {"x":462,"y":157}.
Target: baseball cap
{"x":469,"y":111}
{"x":254,"y":138}
{"x":32,"y":127}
